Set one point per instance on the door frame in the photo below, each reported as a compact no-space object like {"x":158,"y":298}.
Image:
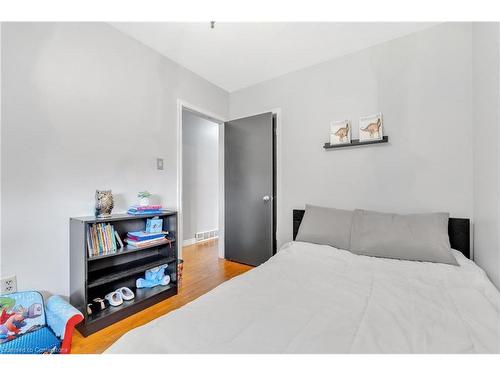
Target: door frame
{"x":182,"y":104}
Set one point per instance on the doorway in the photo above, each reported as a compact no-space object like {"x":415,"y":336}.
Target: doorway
{"x":199,"y":176}
{"x":276,"y":167}
{"x":200,"y":173}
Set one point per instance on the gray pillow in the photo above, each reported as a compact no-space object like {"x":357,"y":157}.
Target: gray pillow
{"x":326,"y":226}
{"x":421,"y":237}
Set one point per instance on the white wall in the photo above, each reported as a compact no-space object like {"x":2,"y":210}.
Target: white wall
{"x":422,"y":85}
{"x":86,"y":107}
{"x":83,"y":107}
{"x":200,"y":174}
{"x":486,"y":65}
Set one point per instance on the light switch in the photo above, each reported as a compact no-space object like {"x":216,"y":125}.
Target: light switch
{"x":159,"y":164}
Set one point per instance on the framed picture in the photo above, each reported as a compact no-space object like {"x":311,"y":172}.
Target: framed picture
{"x":340,"y":132}
{"x":371,"y":128}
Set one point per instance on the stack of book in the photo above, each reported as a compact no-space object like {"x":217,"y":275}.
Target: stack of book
{"x":102,"y":239}
{"x":145,"y":210}
{"x":146,"y":239}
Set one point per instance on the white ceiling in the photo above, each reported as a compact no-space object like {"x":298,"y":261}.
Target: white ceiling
{"x":237,"y":55}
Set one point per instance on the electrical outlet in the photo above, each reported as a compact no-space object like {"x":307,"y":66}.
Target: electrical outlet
{"x":8,"y":285}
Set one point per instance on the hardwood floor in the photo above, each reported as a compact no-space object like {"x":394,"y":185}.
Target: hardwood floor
{"x":203,"y":271}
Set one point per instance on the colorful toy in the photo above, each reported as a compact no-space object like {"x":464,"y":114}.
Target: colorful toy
{"x":11,"y":323}
{"x":154,"y":276}
{"x":26,"y":328}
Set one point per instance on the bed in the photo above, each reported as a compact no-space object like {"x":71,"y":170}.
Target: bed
{"x":311,"y":298}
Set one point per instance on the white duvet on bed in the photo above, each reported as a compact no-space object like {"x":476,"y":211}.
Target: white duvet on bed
{"x":317,"y":299}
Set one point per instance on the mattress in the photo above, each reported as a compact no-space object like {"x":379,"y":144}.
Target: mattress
{"x":317,"y":299}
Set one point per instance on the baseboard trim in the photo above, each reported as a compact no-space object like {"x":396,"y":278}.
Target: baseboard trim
{"x":189,"y":242}
{"x":208,"y":239}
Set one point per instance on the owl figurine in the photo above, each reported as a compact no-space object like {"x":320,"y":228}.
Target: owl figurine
{"x":103,"y":203}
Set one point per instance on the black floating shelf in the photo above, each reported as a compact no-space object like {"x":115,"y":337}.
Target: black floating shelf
{"x":356,"y":142}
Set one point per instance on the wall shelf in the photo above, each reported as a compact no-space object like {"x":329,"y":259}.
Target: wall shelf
{"x":356,"y":142}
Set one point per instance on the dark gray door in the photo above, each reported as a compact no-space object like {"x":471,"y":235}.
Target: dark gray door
{"x":248,"y":174}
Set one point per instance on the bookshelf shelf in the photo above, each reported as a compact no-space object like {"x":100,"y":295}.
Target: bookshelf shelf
{"x":128,"y":250}
{"x":120,"y":217}
{"x":96,"y":276}
{"x":140,"y":295}
{"x":114,"y":273}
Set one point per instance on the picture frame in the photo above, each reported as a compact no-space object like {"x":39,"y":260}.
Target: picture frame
{"x":340,"y":132}
{"x":371,"y":128}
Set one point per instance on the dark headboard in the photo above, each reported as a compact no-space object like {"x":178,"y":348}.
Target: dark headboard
{"x":458,"y":230}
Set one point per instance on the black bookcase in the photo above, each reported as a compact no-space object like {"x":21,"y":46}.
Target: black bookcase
{"x":96,"y":276}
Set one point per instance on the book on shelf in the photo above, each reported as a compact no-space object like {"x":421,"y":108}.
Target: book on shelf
{"x":145,"y":210}
{"x":148,"y":243}
{"x":149,"y":212}
{"x":144,"y":236}
{"x":89,"y":244}
{"x":101,"y":239}
{"x":118,"y":239}
{"x":151,"y":207}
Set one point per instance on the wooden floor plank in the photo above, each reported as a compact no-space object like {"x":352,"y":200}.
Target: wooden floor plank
{"x":203,"y":271}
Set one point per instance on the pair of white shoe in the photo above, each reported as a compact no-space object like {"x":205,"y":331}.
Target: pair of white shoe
{"x":117,"y":297}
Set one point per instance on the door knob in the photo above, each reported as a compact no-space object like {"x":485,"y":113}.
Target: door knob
{"x":266,"y":198}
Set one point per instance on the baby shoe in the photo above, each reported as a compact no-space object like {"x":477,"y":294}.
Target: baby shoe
{"x":125,"y":293}
{"x":114,"y":298}
{"x":97,"y":304}
{"x":100,"y":304}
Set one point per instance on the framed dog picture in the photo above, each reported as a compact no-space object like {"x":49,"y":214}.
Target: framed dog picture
{"x":371,"y":128}
{"x":340,"y":132}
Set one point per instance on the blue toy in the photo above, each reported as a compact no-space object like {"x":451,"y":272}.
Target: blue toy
{"x":154,"y":276}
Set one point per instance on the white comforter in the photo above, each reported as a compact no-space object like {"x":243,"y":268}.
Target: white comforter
{"x":318,"y":299}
